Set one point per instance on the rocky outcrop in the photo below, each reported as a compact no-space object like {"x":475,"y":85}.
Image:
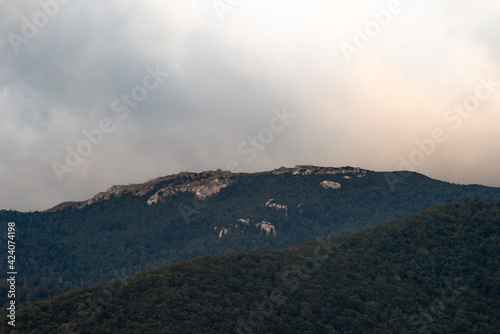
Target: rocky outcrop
{"x":203,"y":184}
{"x":161,"y":195}
{"x":244,"y":221}
{"x":223,"y":231}
{"x":232,"y":228}
{"x":277,"y":206}
{"x":330,"y":184}
{"x":201,"y":188}
{"x":266,"y":226}
{"x":211,"y":188}
{"x":310,"y":169}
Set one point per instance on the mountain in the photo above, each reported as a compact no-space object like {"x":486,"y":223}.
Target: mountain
{"x":434,"y":272}
{"x":129,"y":229}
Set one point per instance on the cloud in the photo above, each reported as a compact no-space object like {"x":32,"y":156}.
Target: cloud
{"x":225,"y":78}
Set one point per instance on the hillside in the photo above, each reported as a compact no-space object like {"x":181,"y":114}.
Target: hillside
{"x":132,"y":228}
{"x":434,"y":272}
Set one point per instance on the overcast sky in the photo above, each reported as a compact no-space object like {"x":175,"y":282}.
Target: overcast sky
{"x":163,"y":86}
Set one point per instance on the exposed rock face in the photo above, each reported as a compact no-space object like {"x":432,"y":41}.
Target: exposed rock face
{"x":211,"y":188}
{"x":330,"y":184}
{"x":161,"y":195}
{"x":202,"y":190}
{"x":146,"y":189}
{"x":244,"y":221}
{"x":310,"y":169}
{"x":278,"y":207}
{"x":118,"y":191}
{"x":264,"y":226}
{"x":223,"y":231}
{"x":204,"y":184}
{"x":275,"y":205}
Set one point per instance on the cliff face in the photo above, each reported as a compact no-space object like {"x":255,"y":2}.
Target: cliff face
{"x":201,"y":188}
{"x":203,"y":185}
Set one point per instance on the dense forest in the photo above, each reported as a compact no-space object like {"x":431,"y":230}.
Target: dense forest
{"x":72,"y":248}
{"x":434,"y":272}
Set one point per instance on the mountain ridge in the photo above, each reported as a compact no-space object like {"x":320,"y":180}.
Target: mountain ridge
{"x":193,"y":214}
{"x":142,"y":189}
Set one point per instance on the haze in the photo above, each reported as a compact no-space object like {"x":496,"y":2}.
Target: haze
{"x":364,"y":83}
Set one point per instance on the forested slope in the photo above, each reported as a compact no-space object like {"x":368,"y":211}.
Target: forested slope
{"x":433,"y":272}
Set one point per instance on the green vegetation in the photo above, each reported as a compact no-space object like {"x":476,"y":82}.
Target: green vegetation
{"x":72,"y":248}
{"x":434,"y":272}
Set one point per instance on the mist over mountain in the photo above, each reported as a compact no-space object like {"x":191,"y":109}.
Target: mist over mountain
{"x":140,"y":187}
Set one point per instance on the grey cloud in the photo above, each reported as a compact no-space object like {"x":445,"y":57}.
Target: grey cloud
{"x":225,"y":78}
